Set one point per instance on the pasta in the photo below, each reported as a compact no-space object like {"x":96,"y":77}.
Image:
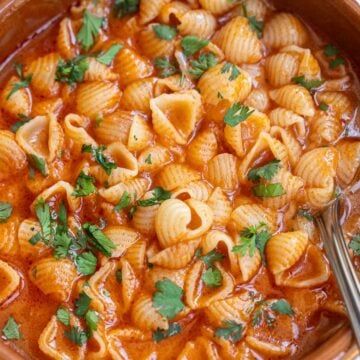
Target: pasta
{"x":161,"y":164}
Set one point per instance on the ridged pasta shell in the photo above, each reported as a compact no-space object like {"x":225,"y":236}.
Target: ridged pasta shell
{"x":174,"y":9}
{"x":200,"y":23}
{"x":257,"y":8}
{"x":75,"y":130}
{"x":177,"y":256}
{"x":10,"y":281}
{"x":123,"y":237}
{"x":222,"y":171}
{"x":131,"y":66}
{"x":172,"y":83}
{"x":136,"y":255}
{"x":349,"y":152}
{"x":42,"y":136}
{"x":284,"y":29}
{"x":295,"y":98}
{"x":19,"y":102}
{"x":140,"y":135}
{"x":46,"y":107}
{"x":150,"y":9}
{"x":198,"y":190}
{"x":201,"y":347}
{"x":249,"y":265}
{"x":216,"y":80}
{"x":159,"y":155}
{"x":97,"y":98}
{"x":220,"y":205}
{"x":267,"y":348}
{"x":238,"y":41}
{"x":281,"y":68}
{"x":174,"y":116}
{"x":54,"y":278}
{"x":284,"y":250}
{"x":62,"y":188}
{"x":43,"y":71}
{"x":258,"y":99}
{"x":202,"y":149}
{"x":97,"y":71}
{"x":98,"y":343}
{"x":176,"y":175}
{"x":135,"y":187}
{"x":217,"y":7}
{"x":145,"y":316}
{"x":12,"y":158}
{"x":248,"y":215}
{"x":286,"y":119}
{"x":178,"y":220}
{"x":66,"y":40}
{"x":9,"y":244}
{"x":176,"y":276}
{"x":138,"y":94}
{"x":144,"y":217}
{"x":338,"y":102}
{"x":152,"y":46}
{"x":114,"y":127}
{"x":129,"y":284}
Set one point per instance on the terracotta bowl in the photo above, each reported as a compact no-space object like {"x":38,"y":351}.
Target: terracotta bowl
{"x":338,"y":20}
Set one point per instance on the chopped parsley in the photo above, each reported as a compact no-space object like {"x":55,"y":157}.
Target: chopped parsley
{"x":38,"y":163}
{"x":92,"y":319}
{"x":63,"y":315}
{"x":72,"y":71}
{"x":212,"y":277}
{"x":268,"y":190}
{"x":255,"y":25}
{"x":323,"y":106}
{"x":159,"y":195}
{"x":100,"y":158}
{"x":236,"y":114}
{"x":82,"y":304}
{"x":124,"y":201}
{"x":98,"y":239}
{"x":148,"y":160}
{"x":202,"y":64}
{"x":309,"y":84}
{"x":282,"y":307}
{"x":306,"y":214}
{"x":336,"y":62}
{"x":210,"y":258}
{"x":166,"y":67}
{"x":233,"y":69}
{"x":167,"y":298}
{"x":333,"y":52}
{"x":266,"y":311}
{"x":11,"y":330}
{"x":160,"y":335}
{"x":5,"y":211}
{"x":76,"y":335}
{"x":118,"y":276}
{"x":126,"y":7}
{"x":107,"y":57}
{"x":84,"y":185}
{"x":354,"y":244}
{"x":266,"y":172}
{"x":164,"y":32}
{"x":86,"y":263}
{"x":23,"y":120}
{"x":23,"y":83}
{"x":89,"y":30}
{"x":192,"y":44}
{"x":231,"y":331}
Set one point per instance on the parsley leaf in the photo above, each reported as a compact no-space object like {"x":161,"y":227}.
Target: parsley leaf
{"x":23,"y":83}
{"x":62,"y":242}
{"x":84,"y":185}
{"x":148,"y":160}
{"x":306,"y":214}
{"x":255,"y":25}
{"x":202,"y":64}
{"x":167,"y":298}
{"x":164,"y":32}
{"x":266,"y":172}
{"x":118,"y":276}
{"x":98,"y":239}
{"x":100,"y":158}
{"x":42,"y":211}
{"x":331,"y":50}
{"x":230,"y":331}
{"x":192,"y":44}
{"x":63,"y":315}
{"x":354,"y":244}
{"x":236,"y":114}
{"x":76,"y":335}
{"x":167,"y":68}
{"x":107,"y":57}
{"x":323,"y":106}
{"x":126,"y":7}
{"x":5,"y":211}
{"x":86,"y":263}
{"x":23,"y":120}
{"x":233,"y":69}
{"x":159,"y":195}
{"x":210,"y":258}
{"x":72,"y":71}
{"x":336,"y":62}
{"x":307,"y":84}
{"x":11,"y":330}
{"x":89,"y":30}
{"x":160,"y":335}
{"x":212,"y":277}
{"x":124,"y":201}
{"x":282,"y":307}
{"x":92,"y":319}
{"x":82,"y":304}
{"x":38,"y":163}
{"x":268,"y":190}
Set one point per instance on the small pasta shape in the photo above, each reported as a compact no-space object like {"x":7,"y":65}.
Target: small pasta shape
{"x":153,"y":46}
{"x":338,"y":102}
{"x":257,"y":8}
{"x":281,"y":68}
{"x":198,"y":190}
{"x":174,"y":116}
{"x":19,"y":102}
{"x":12,"y":157}
{"x":284,"y":29}
{"x":221,"y":171}
{"x":221,"y":206}
{"x":258,"y":99}
{"x":239,"y":42}
{"x":218,"y":7}
{"x":177,"y":256}
{"x":173,"y":9}
{"x":43,"y":71}
{"x":349,"y":161}
{"x":200,"y":23}
{"x":53,"y":277}
{"x":138,"y":94}
{"x":295,"y":98}
{"x":140,"y":135}
{"x":178,"y":221}
{"x":113,"y":194}
{"x":75,"y":130}
{"x":144,"y":217}
{"x":218,"y":79}
{"x":284,"y":250}
{"x":97,"y":71}
{"x":10,"y":281}
{"x":123,"y":238}
{"x":150,"y":9}
{"x":176,"y":175}
{"x":97,"y":98}
{"x":46,"y":107}
{"x":131,"y":66}
{"x":154,"y":158}
{"x":9,"y":244}
{"x":202,"y":149}
{"x":136,"y":256}
{"x":267,"y":348}
{"x":176,"y":276}
{"x":65,"y":39}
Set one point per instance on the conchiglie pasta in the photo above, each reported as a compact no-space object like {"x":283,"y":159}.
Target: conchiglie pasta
{"x":65,"y":39}
{"x":136,"y":256}
{"x":173,"y":9}
{"x":284,"y":29}
{"x":9,"y":244}
{"x":53,"y":277}
{"x":97,"y":71}
{"x":10,"y":281}
{"x":220,"y":205}
{"x":258,"y":99}
{"x":46,"y":107}
{"x":154,"y":158}
{"x":176,"y":175}
{"x":123,"y":238}
{"x":349,"y":161}
{"x":257,"y":8}
{"x":338,"y":102}
{"x":238,"y":41}
{"x":150,"y":9}
{"x":200,"y":23}
{"x":198,"y":190}
{"x":218,"y":7}
{"x":281,"y":69}
{"x":140,"y":135}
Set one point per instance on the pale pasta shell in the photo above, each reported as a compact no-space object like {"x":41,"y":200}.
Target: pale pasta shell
{"x":267,"y":348}
{"x":339,"y":103}
{"x":97,"y":71}
{"x":257,"y":8}
{"x":174,"y":9}
{"x":200,"y":23}
{"x":258,"y":99}
{"x":349,"y":152}
{"x":281,"y":68}
{"x":288,"y":119}
{"x":220,"y":205}
{"x":136,"y":255}
{"x":217,"y":7}
{"x":154,"y":158}
{"x":10,"y":281}
{"x":140,"y":135}
{"x":176,"y":175}
{"x":66,"y":40}
{"x":123,"y":237}
{"x":198,"y":190}
{"x":150,"y":9}
{"x":46,"y":107}
{"x":144,"y":218}
{"x":9,"y":244}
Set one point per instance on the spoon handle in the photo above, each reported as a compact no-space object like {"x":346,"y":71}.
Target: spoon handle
{"x":340,"y":261}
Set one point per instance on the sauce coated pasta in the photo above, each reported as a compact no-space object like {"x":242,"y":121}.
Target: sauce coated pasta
{"x":161,"y":163}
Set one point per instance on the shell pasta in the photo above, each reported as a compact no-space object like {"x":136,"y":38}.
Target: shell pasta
{"x":161,"y":164}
